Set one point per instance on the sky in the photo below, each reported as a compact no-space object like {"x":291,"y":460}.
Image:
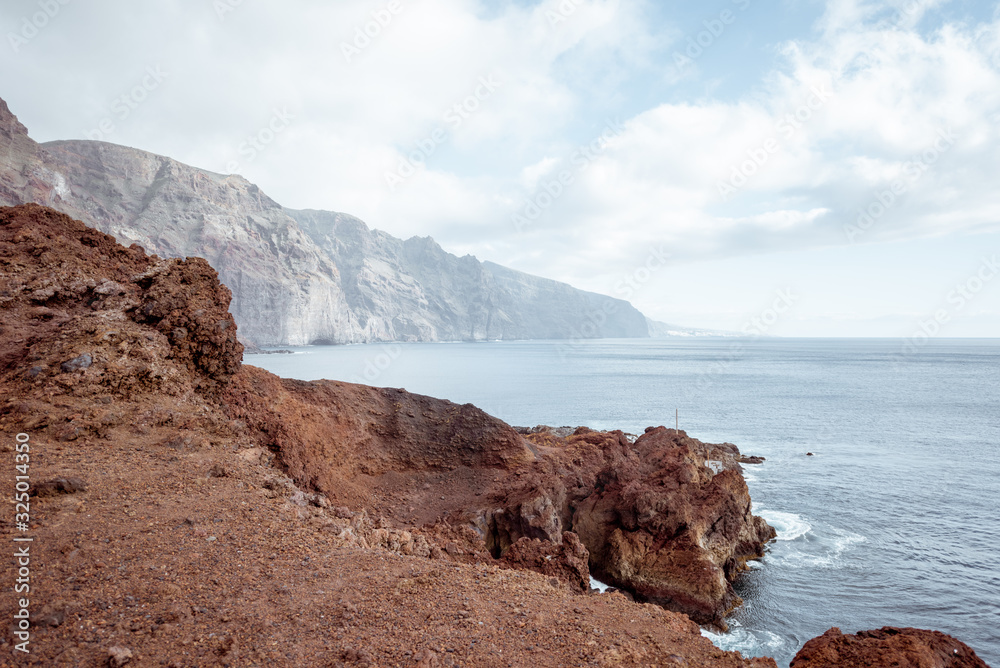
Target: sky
{"x":703,"y":160}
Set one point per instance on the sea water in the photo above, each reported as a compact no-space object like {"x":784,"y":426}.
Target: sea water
{"x":893,"y":519}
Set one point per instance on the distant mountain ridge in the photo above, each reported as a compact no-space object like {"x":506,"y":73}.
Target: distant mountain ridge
{"x":298,"y":277}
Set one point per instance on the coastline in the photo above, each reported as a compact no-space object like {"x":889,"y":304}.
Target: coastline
{"x":221,"y":500}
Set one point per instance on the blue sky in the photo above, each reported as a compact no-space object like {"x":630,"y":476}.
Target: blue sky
{"x":846,"y":151}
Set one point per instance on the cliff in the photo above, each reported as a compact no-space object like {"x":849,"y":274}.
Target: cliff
{"x":187,"y":509}
{"x":297,"y":277}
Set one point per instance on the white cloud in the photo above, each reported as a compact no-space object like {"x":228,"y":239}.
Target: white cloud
{"x":890,"y":81}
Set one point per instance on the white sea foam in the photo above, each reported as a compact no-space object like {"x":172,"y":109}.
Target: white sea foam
{"x":788,"y":525}
{"x":740,"y":639}
{"x":826,"y":551}
{"x":598,"y":585}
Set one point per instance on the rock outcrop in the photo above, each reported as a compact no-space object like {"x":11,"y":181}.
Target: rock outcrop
{"x":75,"y":301}
{"x":191,"y":510}
{"x":297,"y":277}
{"x":105,"y":319}
{"x":885,"y":648}
{"x":657,"y":521}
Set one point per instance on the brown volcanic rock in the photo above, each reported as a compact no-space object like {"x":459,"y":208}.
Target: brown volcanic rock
{"x":185,"y":302}
{"x":670,"y":530}
{"x":885,"y":648}
{"x":61,"y":276}
{"x":656,"y":519}
{"x":567,"y":561}
{"x":376,"y":447}
{"x":185,"y":545}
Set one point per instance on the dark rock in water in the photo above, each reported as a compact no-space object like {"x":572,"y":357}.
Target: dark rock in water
{"x":889,"y":646}
{"x":82,"y":362}
{"x":809,"y":454}
{"x":751,"y":459}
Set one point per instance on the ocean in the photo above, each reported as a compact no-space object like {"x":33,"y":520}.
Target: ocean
{"x":894,"y":519}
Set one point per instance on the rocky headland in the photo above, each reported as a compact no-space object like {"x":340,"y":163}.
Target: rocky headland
{"x":193,"y":510}
{"x":298,"y":277}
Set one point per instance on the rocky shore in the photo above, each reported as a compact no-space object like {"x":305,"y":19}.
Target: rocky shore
{"x":192,"y":510}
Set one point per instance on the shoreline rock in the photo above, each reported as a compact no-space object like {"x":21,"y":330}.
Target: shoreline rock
{"x":887,"y":647}
{"x":657,"y":521}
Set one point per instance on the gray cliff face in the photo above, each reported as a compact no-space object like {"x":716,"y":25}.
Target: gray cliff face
{"x":297,"y":277}
{"x":414,"y":291}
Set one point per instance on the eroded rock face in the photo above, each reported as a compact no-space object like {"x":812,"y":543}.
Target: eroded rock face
{"x":327,"y":431}
{"x":76,"y":302}
{"x":885,"y":648}
{"x":297,"y":277}
{"x":567,"y":561}
{"x":657,"y":521}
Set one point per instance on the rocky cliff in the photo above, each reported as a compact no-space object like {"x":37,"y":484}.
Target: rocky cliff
{"x":187,"y":509}
{"x":297,"y":277}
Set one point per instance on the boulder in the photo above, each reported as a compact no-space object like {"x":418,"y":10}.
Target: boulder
{"x":888,"y":646}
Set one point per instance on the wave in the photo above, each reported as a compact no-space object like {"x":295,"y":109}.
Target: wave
{"x":788,"y":525}
{"x":597,"y":584}
{"x":825,"y":550}
{"x":749,"y":643}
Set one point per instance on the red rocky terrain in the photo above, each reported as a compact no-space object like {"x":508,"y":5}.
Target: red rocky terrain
{"x":885,"y":648}
{"x":192,"y":511}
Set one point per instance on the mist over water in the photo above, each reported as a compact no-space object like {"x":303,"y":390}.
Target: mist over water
{"x":892,"y":521}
